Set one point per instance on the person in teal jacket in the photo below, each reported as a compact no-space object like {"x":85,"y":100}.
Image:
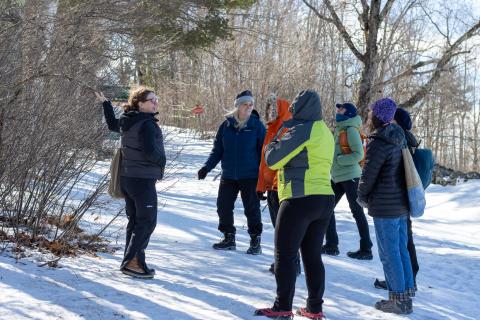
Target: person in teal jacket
{"x":346,"y":172}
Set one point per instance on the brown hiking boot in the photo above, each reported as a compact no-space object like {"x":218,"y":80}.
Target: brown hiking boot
{"x":134,"y":269}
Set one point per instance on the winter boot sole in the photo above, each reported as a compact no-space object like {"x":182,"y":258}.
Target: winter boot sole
{"x":135,"y":274}
{"x":259,"y":252}
{"x":277,"y":315}
{"x":331,"y":251}
{"x":396,"y":312}
{"x":360,"y":255}
{"x":314,"y":316}
{"x":230,"y":248}
{"x":386,"y":307}
{"x":362,"y":258}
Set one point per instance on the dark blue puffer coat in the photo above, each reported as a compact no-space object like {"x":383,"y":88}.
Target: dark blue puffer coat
{"x":239,"y":150}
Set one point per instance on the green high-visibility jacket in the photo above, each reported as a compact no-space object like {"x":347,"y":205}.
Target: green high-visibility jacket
{"x":303,"y":155}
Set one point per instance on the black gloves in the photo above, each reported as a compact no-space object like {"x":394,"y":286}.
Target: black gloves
{"x":202,"y":173}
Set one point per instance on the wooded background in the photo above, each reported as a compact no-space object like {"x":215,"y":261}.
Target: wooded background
{"x":55,"y":53}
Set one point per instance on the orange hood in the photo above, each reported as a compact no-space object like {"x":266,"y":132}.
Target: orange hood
{"x":266,"y":177}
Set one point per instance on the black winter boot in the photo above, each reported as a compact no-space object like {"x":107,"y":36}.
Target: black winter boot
{"x":331,"y":251}
{"x":361,"y":254}
{"x":395,"y":306}
{"x":380,"y":284}
{"x":228,"y":242}
{"x":255,"y":247}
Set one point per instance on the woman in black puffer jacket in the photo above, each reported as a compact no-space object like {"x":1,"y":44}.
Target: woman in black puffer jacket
{"x":382,"y":189}
{"x":143,"y":163}
{"x":403,"y":119}
{"x":383,"y":186}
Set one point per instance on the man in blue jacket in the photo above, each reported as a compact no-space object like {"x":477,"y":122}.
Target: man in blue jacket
{"x":238,"y":145}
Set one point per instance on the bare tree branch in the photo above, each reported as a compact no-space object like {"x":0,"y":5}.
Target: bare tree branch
{"x":411,"y":70}
{"x":436,"y":25}
{"x":444,"y":60}
{"x":341,"y":28}
{"x":386,"y":10}
{"x":407,"y":72}
{"x":317,"y":13}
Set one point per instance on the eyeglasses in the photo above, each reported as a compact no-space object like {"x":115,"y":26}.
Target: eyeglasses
{"x":153,"y":100}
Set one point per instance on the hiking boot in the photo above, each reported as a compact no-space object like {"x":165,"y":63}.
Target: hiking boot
{"x":331,"y":251}
{"x":361,"y":254}
{"x":134,"y":269}
{"x":227,"y":243}
{"x":380,"y":284}
{"x":273,"y":313}
{"x":303,"y":312}
{"x":255,"y":247}
{"x":395,"y":306}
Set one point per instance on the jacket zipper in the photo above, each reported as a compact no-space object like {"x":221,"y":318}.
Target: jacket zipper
{"x":235,"y":160}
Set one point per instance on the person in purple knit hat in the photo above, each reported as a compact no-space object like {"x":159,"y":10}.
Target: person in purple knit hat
{"x":382,"y":189}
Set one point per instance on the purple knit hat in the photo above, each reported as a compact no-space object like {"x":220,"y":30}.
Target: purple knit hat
{"x":384,"y":109}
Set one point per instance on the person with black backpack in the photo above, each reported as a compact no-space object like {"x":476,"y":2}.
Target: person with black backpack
{"x":346,"y":172}
{"x":143,"y":163}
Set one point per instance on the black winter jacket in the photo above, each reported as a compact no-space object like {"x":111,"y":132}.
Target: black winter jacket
{"x":143,"y":153}
{"x":382,"y":188}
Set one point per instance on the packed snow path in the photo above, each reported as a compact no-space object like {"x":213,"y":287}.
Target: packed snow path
{"x":195,"y":282}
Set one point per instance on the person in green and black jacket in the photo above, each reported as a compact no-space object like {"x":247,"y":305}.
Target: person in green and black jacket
{"x":346,"y":172}
{"x":303,"y":158}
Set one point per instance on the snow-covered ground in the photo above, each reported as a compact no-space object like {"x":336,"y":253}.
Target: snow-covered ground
{"x":195,"y":282}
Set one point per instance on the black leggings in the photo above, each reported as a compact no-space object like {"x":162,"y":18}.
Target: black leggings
{"x":349,"y":188}
{"x":141,"y":208}
{"x":273,"y":208}
{"x":301,"y":224}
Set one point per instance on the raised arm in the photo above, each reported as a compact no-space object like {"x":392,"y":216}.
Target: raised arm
{"x":112,"y":121}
